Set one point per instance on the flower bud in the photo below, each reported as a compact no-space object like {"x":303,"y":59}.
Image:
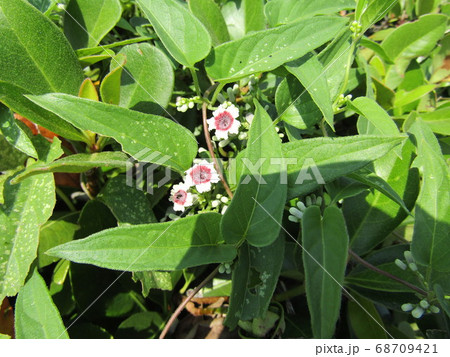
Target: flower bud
{"x":417,"y":312}
{"x":400,"y":264}
{"x":424,"y":304}
{"x":407,"y":307}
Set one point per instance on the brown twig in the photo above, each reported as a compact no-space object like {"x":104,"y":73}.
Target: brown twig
{"x":184,"y":303}
{"x":211,"y":150}
{"x":385,"y":273}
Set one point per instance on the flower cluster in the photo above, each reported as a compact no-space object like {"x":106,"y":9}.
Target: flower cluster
{"x":201,"y":176}
{"x":417,"y":310}
{"x":183,"y":104}
{"x":296,"y":213}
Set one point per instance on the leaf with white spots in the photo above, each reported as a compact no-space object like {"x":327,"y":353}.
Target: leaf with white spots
{"x":266,"y":50}
{"x":36,"y":315}
{"x":26,"y":207}
{"x":255,"y":277}
{"x":184,"y":243}
{"x":147,"y":137}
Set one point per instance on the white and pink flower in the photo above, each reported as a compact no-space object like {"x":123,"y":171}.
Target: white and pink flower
{"x":224,"y":121}
{"x":201,"y":176}
{"x":181,"y":197}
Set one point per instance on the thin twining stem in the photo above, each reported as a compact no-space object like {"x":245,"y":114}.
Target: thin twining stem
{"x":385,"y":273}
{"x":211,"y":150}
{"x":185,"y":302}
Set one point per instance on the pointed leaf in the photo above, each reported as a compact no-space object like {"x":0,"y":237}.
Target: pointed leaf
{"x":257,"y":206}
{"x":431,"y":240}
{"x":266,"y":50}
{"x":372,"y":216}
{"x":255,"y":277}
{"x":325,"y":242}
{"x":280,"y":12}
{"x":321,"y":160}
{"x":86,"y":22}
{"x":417,"y":38}
{"x":180,"y":244}
{"x":310,"y":72}
{"x":110,"y":87}
{"x":140,"y":134}
{"x":27,"y":206}
{"x":208,"y":12}
{"x":148,"y":79}
{"x":36,"y":315}
{"x":75,"y":164}
{"x":183,"y":35}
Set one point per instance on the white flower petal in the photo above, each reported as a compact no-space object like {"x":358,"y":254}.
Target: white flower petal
{"x":203,"y":187}
{"x":222,"y":134}
{"x":211,"y":123}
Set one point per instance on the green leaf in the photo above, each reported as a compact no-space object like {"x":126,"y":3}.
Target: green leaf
{"x":309,"y":71}
{"x":50,"y":68}
{"x":10,"y":157}
{"x":403,"y":98}
{"x":440,"y":295}
{"x":110,"y":87}
{"x":375,"y":47}
{"x":234,"y":15}
{"x":361,"y":316}
{"x":209,"y":14}
{"x":88,"y":90}
{"x":325,"y":243}
{"x":180,"y":244}
{"x":15,"y":135}
{"x":14,"y":98}
{"x":86,"y":22}
{"x":295,"y":105}
{"x":128,"y":204}
{"x":4,"y":337}
{"x":254,"y":279}
{"x":42,"y":5}
{"x":377,"y":117}
{"x":266,"y":50}
{"x":368,"y":12}
{"x":372,"y":216}
{"x":254,"y":15}
{"x":372,"y":180}
{"x":162,"y":280}
{"x":148,"y":79}
{"x":329,"y":158}
{"x":280,"y":12}
{"x":53,"y":233}
{"x":27,"y":206}
{"x":430,"y":243}
{"x":143,"y":135}
{"x":416,"y":38}
{"x":36,"y":315}
{"x":76,"y":163}
{"x":256,"y":209}
{"x":438,"y":121}
{"x":182,"y":34}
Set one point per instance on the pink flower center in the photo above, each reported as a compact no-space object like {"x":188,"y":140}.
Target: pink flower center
{"x":201,"y":174}
{"x":223,"y":121}
{"x":180,"y":197}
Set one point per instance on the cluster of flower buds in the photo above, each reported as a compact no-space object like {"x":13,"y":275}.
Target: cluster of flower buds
{"x":183,"y":104}
{"x":341,"y":101}
{"x":296,"y":213}
{"x":356,"y":28}
{"x":410,"y":262}
{"x":221,"y":203}
{"x":417,"y":310}
{"x":225,"y":268}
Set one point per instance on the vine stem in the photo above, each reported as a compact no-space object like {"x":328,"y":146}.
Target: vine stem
{"x":185,"y":302}
{"x":211,"y":150}
{"x":196,"y":83}
{"x":385,"y":273}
